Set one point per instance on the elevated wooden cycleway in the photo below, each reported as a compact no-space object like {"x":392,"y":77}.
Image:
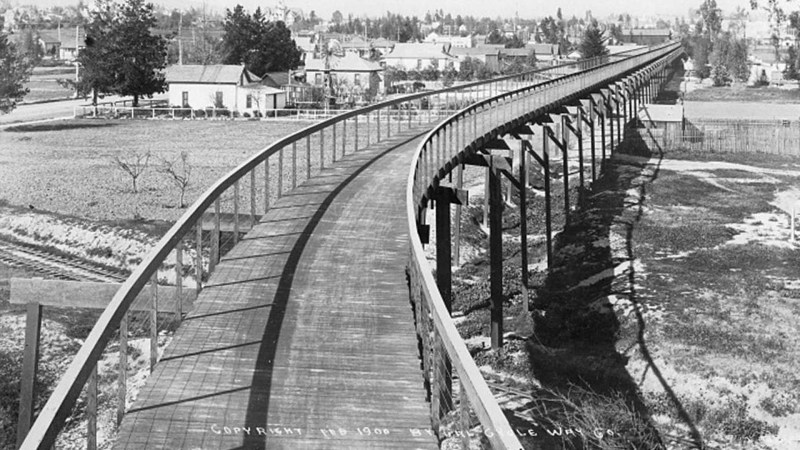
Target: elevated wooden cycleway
{"x":304,"y":335}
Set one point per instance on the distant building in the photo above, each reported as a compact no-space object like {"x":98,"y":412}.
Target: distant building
{"x":454,"y":41}
{"x":488,"y":55}
{"x":353,"y":78}
{"x":221,"y":86}
{"x":63,"y":43}
{"x":419,"y":56}
{"x":646,"y":36}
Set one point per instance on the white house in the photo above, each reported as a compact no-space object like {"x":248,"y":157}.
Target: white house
{"x":221,"y":86}
{"x":411,"y":56}
{"x":352,"y":77}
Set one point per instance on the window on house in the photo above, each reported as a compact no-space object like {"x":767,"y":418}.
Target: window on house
{"x":185,"y":99}
{"x":357,"y":79}
{"x":419,"y":64}
{"x":248,"y":101}
{"x":318,"y":79}
{"x":218,"y":101}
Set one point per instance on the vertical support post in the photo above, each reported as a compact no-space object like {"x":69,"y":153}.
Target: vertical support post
{"x":444,"y":275}
{"x":611,"y":125}
{"x":603,"y":112}
{"x":122,"y":379}
{"x":154,"y":323}
{"x":523,"y":223}
{"x":91,"y":410}
{"x":179,"y":279}
{"x":457,"y":231}
{"x":30,"y":369}
{"x":565,"y":165}
{"x":496,"y":256}
{"x":377,"y":126}
{"x":579,"y":137}
{"x":355,"y":145}
{"x":486,"y":198}
{"x":444,"y":278}
{"x":266,"y":185}
{"x":548,"y":223}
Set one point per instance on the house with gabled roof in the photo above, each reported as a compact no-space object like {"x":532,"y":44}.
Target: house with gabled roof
{"x":352,"y":76}
{"x":221,"y":86}
{"x":413,"y":56}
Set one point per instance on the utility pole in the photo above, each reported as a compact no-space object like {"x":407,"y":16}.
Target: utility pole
{"x":180,"y":41}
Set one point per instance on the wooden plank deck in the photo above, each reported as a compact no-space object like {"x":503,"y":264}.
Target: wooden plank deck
{"x":304,"y":335}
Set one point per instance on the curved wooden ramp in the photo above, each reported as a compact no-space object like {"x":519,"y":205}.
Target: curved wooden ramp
{"x":304,"y":336}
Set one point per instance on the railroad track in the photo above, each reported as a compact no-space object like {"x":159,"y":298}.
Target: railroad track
{"x":54,"y":266}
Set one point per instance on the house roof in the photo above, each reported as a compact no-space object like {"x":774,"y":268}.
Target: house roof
{"x":350,"y":62}
{"x":544,"y":49}
{"x":516,"y":52}
{"x":67,"y":40}
{"x":418,"y":51}
{"x":355,"y":42}
{"x":476,"y":51}
{"x":383,"y":42}
{"x":275,"y":79}
{"x":211,"y":74}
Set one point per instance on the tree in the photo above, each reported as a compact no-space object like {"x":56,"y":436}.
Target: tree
{"x":121,"y":55}
{"x":711,"y":16}
{"x":260,"y":45}
{"x":731,"y":53}
{"x":134,"y":165}
{"x":592,"y":43}
{"x":15,"y":69}
{"x":179,"y":172}
{"x":141,"y":54}
{"x":337,"y":17}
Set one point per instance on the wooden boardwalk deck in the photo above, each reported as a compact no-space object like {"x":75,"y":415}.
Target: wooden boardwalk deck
{"x":304,"y":335}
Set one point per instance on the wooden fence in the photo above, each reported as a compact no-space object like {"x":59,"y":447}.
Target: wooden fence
{"x":778,"y":137}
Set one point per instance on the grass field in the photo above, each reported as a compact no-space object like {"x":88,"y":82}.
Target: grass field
{"x":742,"y":93}
{"x":43,"y":84}
{"x":67,"y":168}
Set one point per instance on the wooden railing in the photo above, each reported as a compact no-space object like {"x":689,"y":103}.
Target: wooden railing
{"x":192,"y":247}
{"x":445,"y":355}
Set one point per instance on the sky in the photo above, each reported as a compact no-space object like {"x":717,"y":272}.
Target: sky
{"x":490,"y":8}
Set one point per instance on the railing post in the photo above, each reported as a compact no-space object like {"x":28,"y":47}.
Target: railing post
{"x":333,"y":140}
{"x":355,"y":145}
{"x":280,"y":172}
{"x":198,"y":257}
{"x":308,"y":157}
{"x":154,"y":323}
{"x":266,"y":185}
{"x":122,"y":379}
{"x":294,"y":164}
{"x":179,"y":279}
{"x":215,"y":239}
{"x":253,"y":196}
{"x":236,"y":211}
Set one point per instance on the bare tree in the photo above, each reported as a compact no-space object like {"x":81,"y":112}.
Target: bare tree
{"x":180,"y":172}
{"x":134,"y":165}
